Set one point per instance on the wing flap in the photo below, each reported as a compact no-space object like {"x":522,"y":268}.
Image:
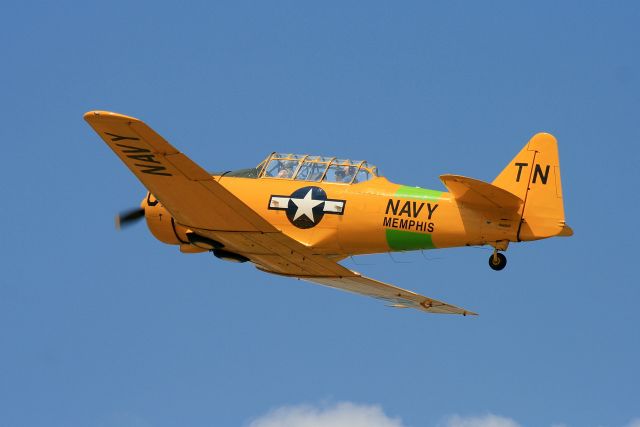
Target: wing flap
{"x":397,"y":297}
{"x":479,"y":193}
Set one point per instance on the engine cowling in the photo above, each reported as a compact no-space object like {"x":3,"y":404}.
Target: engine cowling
{"x":164,"y":228}
{"x":161,"y":223}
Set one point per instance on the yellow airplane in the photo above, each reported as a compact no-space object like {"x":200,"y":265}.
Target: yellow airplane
{"x":298,"y":215}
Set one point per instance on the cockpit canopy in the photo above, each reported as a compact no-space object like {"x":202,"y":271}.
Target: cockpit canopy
{"x":300,"y":167}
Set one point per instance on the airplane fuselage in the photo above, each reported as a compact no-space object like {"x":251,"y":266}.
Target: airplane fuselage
{"x":375,"y":216}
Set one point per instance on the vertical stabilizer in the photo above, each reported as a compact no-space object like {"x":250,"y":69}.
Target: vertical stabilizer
{"x":534,"y":176}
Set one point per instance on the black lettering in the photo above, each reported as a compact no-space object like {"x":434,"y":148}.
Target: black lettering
{"x":130,"y":149}
{"x":431,"y":209}
{"x":543,"y":177}
{"x":403,"y":223}
{"x":520,"y":166}
{"x":153,"y":170}
{"x":411,"y":223}
{"x":430,"y":227}
{"x":394,"y":223}
{"x":145,"y":158}
{"x":392,"y":206}
{"x":406,"y":209}
{"x":420,"y":226}
{"x":416,"y":212}
{"x":386,"y":222}
{"x":116,"y":138}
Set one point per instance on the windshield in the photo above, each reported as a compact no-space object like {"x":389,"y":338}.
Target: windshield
{"x":301,"y":167}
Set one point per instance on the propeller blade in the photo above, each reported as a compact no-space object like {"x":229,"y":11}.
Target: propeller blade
{"x":129,"y":217}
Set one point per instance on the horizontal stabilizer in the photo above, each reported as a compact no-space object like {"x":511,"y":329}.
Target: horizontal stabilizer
{"x":566,"y":231}
{"x":479,"y":193}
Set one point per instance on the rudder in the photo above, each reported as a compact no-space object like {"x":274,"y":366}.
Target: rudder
{"x":534,"y":176}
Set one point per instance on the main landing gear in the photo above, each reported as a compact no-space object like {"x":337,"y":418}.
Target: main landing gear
{"x":497,"y":261}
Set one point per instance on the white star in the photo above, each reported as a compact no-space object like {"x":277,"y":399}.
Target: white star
{"x":305,"y":206}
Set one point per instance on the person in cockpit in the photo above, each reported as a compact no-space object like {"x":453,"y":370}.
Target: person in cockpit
{"x":349,"y":172}
{"x":287,"y":169}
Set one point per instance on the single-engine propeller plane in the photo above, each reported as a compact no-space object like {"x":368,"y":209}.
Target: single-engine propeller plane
{"x":299,"y":215}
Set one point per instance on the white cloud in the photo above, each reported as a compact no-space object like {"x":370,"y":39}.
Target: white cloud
{"x":347,"y":414}
{"x":343,"y":414}
{"x":488,"y":420}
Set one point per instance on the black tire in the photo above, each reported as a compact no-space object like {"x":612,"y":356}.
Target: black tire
{"x":502,"y":262}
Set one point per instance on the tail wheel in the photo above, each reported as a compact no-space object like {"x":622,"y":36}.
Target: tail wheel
{"x":497,"y":261}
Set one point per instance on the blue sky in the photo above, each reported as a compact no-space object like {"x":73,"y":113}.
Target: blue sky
{"x":99,"y":328}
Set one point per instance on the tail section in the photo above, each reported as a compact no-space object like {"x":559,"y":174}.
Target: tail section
{"x":534,"y":176}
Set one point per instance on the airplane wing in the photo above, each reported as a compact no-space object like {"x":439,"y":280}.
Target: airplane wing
{"x":200,"y":203}
{"x":397,"y":297}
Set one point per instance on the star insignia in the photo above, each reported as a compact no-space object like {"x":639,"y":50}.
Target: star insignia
{"x":306,"y":206}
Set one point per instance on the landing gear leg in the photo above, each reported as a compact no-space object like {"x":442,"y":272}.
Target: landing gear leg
{"x":497,"y":261}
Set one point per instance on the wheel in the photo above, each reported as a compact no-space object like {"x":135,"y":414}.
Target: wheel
{"x":499,"y":262}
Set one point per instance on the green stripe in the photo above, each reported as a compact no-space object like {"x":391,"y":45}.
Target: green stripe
{"x":401,"y":240}
{"x":408,"y":192}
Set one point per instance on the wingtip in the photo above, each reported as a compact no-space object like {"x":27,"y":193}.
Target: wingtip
{"x":99,"y":114}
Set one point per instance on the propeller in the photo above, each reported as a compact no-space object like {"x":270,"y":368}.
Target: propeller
{"x":126,"y":218}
